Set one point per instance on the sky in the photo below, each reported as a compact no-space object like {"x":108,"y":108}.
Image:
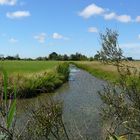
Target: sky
{"x":33,"y":28}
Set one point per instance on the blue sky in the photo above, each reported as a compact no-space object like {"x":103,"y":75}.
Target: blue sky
{"x":33,"y":28}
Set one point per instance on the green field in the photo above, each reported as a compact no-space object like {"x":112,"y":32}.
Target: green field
{"x":33,"y":77}
{"x":24,"y":67}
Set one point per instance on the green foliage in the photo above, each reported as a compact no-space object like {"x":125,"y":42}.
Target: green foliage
{"x":46,"y":122}
{"x":8,"y":110}
{"x":63,"y":69}
{"x":11,"y":113}
{"x":113,"y":137}
{"x":110,"y":51}
{"x":121,"y":102}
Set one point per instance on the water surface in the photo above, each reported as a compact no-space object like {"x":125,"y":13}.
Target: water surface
{"x":81,"y":104}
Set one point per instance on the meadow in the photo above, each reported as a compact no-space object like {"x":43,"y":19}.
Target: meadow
{"x":27,"y":67}
{"x":33,"y":77}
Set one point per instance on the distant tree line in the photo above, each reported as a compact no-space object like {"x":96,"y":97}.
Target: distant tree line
{"x":55,"y":56}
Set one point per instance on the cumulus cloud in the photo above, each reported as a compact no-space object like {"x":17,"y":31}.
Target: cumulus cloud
{"x":138,"y":19}
{"x":124,"y":18}
{"x":8,"y":2}
{"x":13,"y":40}
{"x":91,"y":10}
{"x":121,"y":18}
{"x":40,"y":37}
{"x":18,"y":14}
{"x":92,"y":30}
{"x":59,"y":36}
{"x":110,"y":16}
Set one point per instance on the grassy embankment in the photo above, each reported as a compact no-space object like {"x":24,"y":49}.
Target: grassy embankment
{"x":103,"y":71}
{"x":34,"y":77}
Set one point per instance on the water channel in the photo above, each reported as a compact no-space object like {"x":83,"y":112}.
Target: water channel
{"x":81,"y":104}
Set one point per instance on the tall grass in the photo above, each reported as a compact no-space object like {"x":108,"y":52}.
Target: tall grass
{"x":98,"y":71}
{"x":43,"y":82}
{"x":7,"y":110}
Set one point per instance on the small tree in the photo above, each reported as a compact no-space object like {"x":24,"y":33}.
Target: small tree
{"x":96,"y":57}
{"x":53,"y":56}
{"x":121,"y":102}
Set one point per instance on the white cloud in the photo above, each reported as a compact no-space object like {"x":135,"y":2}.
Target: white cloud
{"x":110,"y":16}
{"x":92,"y":30}
{"x":138,"y":19}
{"x":59,"y":36}
{"x":124,"y":18}
{"x":96,"y":10}
{"x":91,"y":10}
{"x":121,"y":18}
{"x":18,"y":14}
{"x":8,"y":2}
{"x":13,"y":40}
{"x":41,"y":37}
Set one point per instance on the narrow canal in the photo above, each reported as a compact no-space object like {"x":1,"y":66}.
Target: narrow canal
{"x":81,"y":104}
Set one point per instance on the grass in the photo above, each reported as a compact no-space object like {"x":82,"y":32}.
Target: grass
{"x":44,"y":82}
{"x":24,"y":67}
{"x":106,"y":72}
{"x":34,"y":77}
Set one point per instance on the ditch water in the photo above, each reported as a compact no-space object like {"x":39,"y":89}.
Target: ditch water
{"x":81,"y":104}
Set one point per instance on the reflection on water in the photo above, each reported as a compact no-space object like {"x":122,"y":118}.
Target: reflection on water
{"x":81,"y":104}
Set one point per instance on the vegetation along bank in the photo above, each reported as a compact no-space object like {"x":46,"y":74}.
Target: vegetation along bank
{"x":30,"y":85}
{"x":103,"y":71}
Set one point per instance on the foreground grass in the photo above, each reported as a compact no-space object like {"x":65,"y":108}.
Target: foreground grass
{"x":104,"y":71}
{"x":31,"y":82}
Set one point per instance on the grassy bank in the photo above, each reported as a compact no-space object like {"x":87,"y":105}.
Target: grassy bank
{"x":105,"y":72}
{"x":45,"y":81}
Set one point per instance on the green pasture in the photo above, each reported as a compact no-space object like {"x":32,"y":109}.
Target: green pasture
{"x":21,"y":67}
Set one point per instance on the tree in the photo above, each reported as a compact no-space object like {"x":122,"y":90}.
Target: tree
{"x":110,"y":52}
{"x":96,"y":57}
{"x":121,"y":101}
{"x":53,"y":56}
{"x":17,"y":57}
{"x":78,"y":57}
{"x":91,"y":59}
{"x":1,"y":57}
{"x":65,"y":57}
{"x":130,"y":58}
